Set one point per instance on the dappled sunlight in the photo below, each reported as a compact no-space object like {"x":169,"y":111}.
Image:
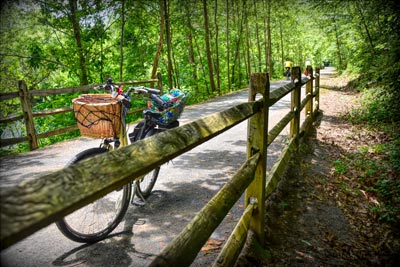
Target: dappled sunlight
{"x":212,"y":187}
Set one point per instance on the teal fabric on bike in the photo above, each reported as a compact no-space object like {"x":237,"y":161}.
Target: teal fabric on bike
{"x":171,"y":114}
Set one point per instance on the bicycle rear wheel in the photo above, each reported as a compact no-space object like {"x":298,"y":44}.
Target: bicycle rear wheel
{"x":95,"y":221}
{"x":145,"y":184}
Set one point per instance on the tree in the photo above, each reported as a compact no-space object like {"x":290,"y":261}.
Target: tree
{"x":208,"y":47}
{"x":168,"y":34}
{"x":268,"y":48}
{"x":160,"y":41}
{"x":228,"y":47}
{"x":121,"y":45}
{"x":217,"y":69}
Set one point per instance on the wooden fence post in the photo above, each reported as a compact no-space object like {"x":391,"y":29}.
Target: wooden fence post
{"x":317,"y":80}
{"x":25,"y":99}
{"x":309,"y":91}
{"x":257,"y":136}
{"x":295,"y":105}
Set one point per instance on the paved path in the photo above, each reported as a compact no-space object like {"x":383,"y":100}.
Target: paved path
{"x":185,"y":185}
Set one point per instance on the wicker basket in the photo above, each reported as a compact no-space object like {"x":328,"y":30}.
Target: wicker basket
{"x":98,"y":115}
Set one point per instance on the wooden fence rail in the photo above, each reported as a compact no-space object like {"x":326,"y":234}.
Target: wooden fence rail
{"x":28,"y":115}
{"x":69,"y":189}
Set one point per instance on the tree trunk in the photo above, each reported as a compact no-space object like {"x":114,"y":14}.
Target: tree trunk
{"x":236,"y":59}
{"x":269,"y":52}
{"x":227,"y":46}
{"x":121,"y":44}
{"x":366,"y":28}
{"x":77,"y":34}
{"x":168,"y":33}
{"x":202,"y":67}
{"x":257,"y":36}
{"x":192,"y":60}
{"x":247,"y":49}
{"x":282,"y":50}
{"x":160,"y":43}
{"x":338,"y":46}
{"x":216,"y":50}
{"x":208,"y":47}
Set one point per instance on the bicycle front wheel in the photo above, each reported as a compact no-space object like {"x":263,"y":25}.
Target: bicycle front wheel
{"x":95,"y":221}
{"x":144,"y":185}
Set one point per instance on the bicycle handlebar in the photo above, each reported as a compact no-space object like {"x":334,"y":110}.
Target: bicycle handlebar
{"x":153,"y":93}
{"x":142,"y":89}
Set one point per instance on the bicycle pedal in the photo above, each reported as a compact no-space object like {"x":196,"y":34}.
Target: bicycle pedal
{"x":138,"y":202}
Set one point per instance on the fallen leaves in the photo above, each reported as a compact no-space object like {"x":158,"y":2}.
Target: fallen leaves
{"x":303,"y":255}
{"x":211,"y":245}
{"x":370,"y":198}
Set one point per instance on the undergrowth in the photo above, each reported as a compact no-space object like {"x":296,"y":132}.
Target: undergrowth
{"x":377,"y":163}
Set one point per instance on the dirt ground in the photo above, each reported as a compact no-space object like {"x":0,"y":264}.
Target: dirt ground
{"x":313,"y":219}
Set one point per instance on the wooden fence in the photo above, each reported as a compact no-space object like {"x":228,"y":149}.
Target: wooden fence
{"x":26,"y":96}
{"x":20,"y":216}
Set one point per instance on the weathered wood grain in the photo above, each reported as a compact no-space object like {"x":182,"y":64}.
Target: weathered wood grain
{"x":231,"y":250}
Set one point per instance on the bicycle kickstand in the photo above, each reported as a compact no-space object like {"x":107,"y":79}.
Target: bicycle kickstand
{"x":138,"y":202}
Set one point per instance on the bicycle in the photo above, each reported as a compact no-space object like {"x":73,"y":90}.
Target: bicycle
{"x":287,"y":73}
{"x":97,"y":220}
{"x":288,"y":67}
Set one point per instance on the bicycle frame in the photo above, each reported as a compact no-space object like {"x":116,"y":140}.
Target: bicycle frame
{"x":122,"y":139}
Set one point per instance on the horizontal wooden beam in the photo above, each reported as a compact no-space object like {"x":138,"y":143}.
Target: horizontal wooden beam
{"x":279,"y":93}
{"x":11,"y":118}
{"x":137,"y":82}
{"x":233,"y":246}
{"x":276,"y":172}
{"x":58,"y":131}
{"x":57,"y":91}
{"x":13,"y":141}
{"x":277,"y":129}
{"x":44,"y":113}
{"x":8,"y":95}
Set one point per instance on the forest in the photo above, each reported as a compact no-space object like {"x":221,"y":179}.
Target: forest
{"x":207,"y":47}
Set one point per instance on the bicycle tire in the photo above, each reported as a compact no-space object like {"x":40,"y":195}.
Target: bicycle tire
{"x":145,"y":184}
{"x":90,"y":223}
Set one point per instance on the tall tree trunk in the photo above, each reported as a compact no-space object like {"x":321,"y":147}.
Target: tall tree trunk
{"x":338,"y":46}
{"x":364,"y":23}
{"x":282,"y":49}
{"x":227,"y":46}
{"x":202,"y":66}
{"x":257,"y":36}
{"x":160,"y":42}
{"x":121,"y":44}
{"x":192,"y":60}
{"x":175,"y":71}
{"x":269,"y":52}
{"x":247,"y":49}
{"x":208,"y":47}
{"x":77,"y":34}
{"x":265,"y":39}
{"x":168,"y":33}
{"x":236,"y":59}
{"x":216,"y":49}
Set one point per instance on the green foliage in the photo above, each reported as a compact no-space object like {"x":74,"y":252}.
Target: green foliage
{"x":42,"y":43}
{"x":376,"y":166}
{"x":340,"y":167}
{"x":378,"y":105}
